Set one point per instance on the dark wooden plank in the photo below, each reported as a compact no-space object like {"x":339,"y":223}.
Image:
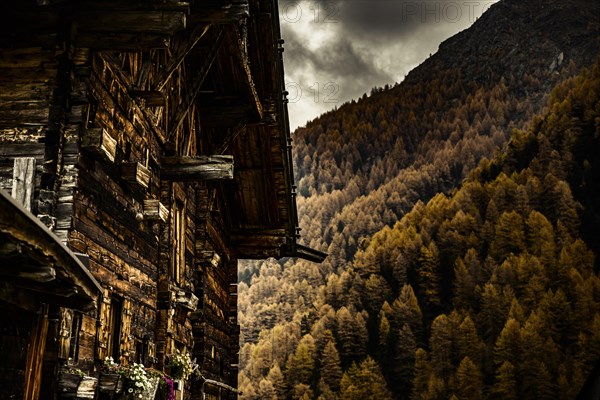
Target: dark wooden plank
{"x":196,"y":168}
{"x":122,"y":41}
{"x":215,"y":13}
{"x":151,"y":98}
{"x":125,"y":21}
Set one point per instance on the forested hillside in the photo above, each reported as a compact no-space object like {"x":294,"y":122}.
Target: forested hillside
{"x":430,"y":291}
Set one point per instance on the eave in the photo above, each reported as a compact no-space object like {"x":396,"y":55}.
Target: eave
{"x":36,"y":267}
{"x":264,"y":221}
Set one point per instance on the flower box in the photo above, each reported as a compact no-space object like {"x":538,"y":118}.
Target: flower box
{"x":110,"y":383}
{"x":150,"y":393}
{"x":68,"y":384}
{"x":87,"y":388}
{"x":178,"y":384}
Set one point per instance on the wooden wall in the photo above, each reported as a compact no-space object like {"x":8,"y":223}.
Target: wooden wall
{"x":98,"y":123}
{"x":215,"y":322}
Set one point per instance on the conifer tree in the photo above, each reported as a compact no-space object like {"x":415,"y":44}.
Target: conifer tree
{"x":509,"y":344}
{"x":404,"y":359}
{"x":468,"y":342}
{"x":266,"y":391}
{"x":509,"y":236}
{"x":505,"y":387}
{"x":331,"y":370}
{"x":275,"y":376}
{"x":464,"y":286}
{"x":364,"y":382}
{"x":429,"y":278}
{"x":469,"y":384}
{"x":300,"y":365}
{"x":422,"y":373}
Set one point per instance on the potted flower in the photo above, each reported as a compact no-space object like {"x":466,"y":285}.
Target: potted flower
{"x":166,"y":389}
{"x":138,"y":383}
{"x":110,"y":377}
{"x":181,"y":367}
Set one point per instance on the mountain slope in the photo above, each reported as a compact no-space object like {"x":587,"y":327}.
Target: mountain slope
{"x":424,"y":135}
{"x":362,"y":168}
{"x":502,"y":271}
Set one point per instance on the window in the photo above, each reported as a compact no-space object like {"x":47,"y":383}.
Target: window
{"x":75,"y":329}
{"x":178,"y":265}
{"x":116,"y":310}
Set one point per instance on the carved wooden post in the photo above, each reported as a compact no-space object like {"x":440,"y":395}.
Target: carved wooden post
{"x":24,"y":181}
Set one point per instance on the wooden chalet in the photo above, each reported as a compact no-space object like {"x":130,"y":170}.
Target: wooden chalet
{"x":151,"y":137}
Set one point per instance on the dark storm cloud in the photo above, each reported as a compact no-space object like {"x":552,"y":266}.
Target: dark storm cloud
{"x":350,"y":46}
{"x":387,"y":17}
{"x":338,"y":58}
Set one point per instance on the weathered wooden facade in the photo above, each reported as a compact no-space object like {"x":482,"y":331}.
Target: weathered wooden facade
{"x":155,"y":142}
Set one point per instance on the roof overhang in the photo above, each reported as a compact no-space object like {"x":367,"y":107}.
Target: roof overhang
{"x":36,"y":267}
{"x":260,"y":202}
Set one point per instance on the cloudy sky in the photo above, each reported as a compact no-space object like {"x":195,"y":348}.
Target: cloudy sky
{"x":336,"y":50}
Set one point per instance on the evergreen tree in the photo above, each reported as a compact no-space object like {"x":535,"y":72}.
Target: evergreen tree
{"x":325,"y":392}
{"x":331,"y":370}
{"x":464,"y":286}
{"x":505,"y":387}
{"x":302,"y":392}
{"x":493,"y":312}
{"x":509,"y":236}
{"x":266,"y":391}
{"x":364,"y":382}
{"x":509,"y":344}
{"x":468,"y":342}
{"x":422,"y":373}
{"x":300,"y":365}
{"x":429,"y":277}
{"x":404,"y":359}
{"x":276,"y":378}
{"x":384,"y":332}
{"x":469,"y":384}
{"x":352,"y":334}
{"x":406,"y":310}
{"x":441,"y":344}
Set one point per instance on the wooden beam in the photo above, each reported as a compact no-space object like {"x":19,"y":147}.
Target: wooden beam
{"x":24,"y":181}
{"x":35,"y":354}
{"x":180,"y":169}
{"x":245,"y":65}
{"x":146,"y":123}
{"x":155,"y":211}
{"x":190,"y":96}
{"x":122,"y":41}
{"x":251,"y":240}
{"x":99,"y":142}
{"x":22,"y":271}
{"x":219,"y":13}
{"x":151,"y":98}
{"x":161,"y":79}
{"x":130,"y":21}
{"x":134,"y":172}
